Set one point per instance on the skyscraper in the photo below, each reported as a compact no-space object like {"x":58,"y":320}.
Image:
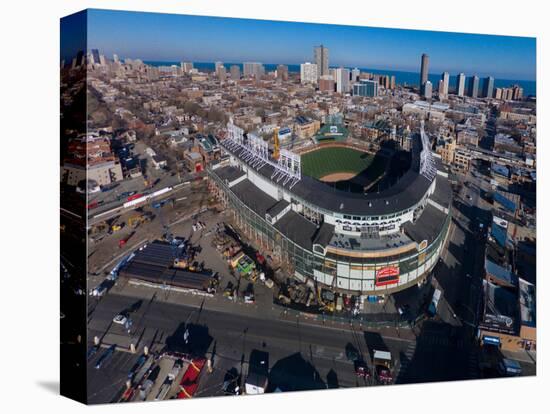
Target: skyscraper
{"x":365,"y":87}
{"x":255,"y":69}
{"x":235,"y":72}
{"x":355,"y":75}
{"x":473,"y":86}
{"x":282,"y":72}
{"x":342,"y":80}
{"x":444,"y":89}
{"x":424,"y":71}
{"x":186,"y":66}
{"x":320,"y":57}
{"x":517,"y":92}
{"x":308,"y":73}
{"x":460,"y":82}
{"x":428,"y":90}
{"x":441,"y":89}
{"x":95,"y":57}
{"x":488,"y":86}
{"x":220,"y":70}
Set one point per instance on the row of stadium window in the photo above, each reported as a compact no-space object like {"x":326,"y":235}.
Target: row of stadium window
{"x":360,"y":228}
{"x":346,"y":217}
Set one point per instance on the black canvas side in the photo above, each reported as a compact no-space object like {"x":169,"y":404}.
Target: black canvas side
{"x":73,"y":211}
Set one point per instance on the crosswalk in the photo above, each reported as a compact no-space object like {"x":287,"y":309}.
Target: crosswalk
{"x":473,"y":365}
{"x":405,"y":362}
{"x":438,"y":340}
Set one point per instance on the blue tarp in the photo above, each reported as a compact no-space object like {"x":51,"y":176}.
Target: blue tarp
{"x":499,"y":234}
{"x":500,"y":272}
{"x":505,"y":202}
{"x":501,"y":170}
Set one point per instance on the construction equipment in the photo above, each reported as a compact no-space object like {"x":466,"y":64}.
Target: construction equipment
{"x":99,"y":228}
{"x":182,"y":262}
{"x":276,"y":145}
{"x":326,"y":300}
{"x":138,"y":219}
{"x":234,"y":261}
{"x":122,"y":242}
{"x":245,"y":265}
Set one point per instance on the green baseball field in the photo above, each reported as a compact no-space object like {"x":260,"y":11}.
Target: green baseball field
{"x":335,"y":164}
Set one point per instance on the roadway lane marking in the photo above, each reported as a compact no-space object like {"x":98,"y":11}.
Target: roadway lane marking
{"x":304,"y":322}
{"x":122,"y":254}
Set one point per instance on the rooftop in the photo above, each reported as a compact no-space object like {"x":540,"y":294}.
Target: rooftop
{"x":229,"y":173}
{"x":253,"y":197}
{"x":427,"y":226}
{"x":298,"y":229}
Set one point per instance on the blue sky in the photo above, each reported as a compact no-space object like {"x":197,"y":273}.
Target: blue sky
{"x":170,"y":37}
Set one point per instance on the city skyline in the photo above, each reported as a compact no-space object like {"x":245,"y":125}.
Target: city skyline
{"x":208,"y":39}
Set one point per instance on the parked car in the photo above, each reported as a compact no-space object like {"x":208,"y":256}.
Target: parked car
{"x":361,"y":369}
{"x":120,"y":319}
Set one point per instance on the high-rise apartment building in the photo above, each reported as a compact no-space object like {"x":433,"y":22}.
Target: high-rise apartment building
{"x":444,"y":85}
{"x":186,"y":66}
{"x":355,"y":73}
{"x":282,"y":72}
{"x":384,"y":80}
{"x":308,"y":72}
{"x":95,"y":57}
{"x":320,"y":57}
{"x":219,"y":68}
{"x":365,"y":87}
{"x":235,"y":72}
{"x":428,"y":90}
{"x":253,"y":69}
{"x":342,"y":80}
{"x":460,"y":83}
{"x":473,"y":86}
{"x":518,"y":92}
{"x":488,"y":86}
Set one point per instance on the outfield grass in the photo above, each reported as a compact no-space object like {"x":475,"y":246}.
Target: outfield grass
{"x":325,"y":161}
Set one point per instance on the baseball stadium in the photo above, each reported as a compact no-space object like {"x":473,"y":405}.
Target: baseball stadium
{"x":335,"y":214}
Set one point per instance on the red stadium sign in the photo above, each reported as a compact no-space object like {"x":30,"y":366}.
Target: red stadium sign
{"x":387,"y":276}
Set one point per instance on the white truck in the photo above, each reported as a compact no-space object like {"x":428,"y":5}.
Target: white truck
{"x":383,"y":366}
{"x":258,"y":369}
{"x":432,"y":308}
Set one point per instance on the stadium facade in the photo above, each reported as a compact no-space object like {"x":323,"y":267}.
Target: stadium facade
{"x":372,"y":244}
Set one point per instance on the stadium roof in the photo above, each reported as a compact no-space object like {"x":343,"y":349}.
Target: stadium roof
{"x":229,"y":173}
{"x":404,"y":194}
{"x":253,"y":197}
{"x":427,"y":227}
{"x":298,"y":229}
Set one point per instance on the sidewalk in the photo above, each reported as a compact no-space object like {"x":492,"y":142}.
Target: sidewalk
{"x":529,"y":357}
{"x":262,"y":309}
